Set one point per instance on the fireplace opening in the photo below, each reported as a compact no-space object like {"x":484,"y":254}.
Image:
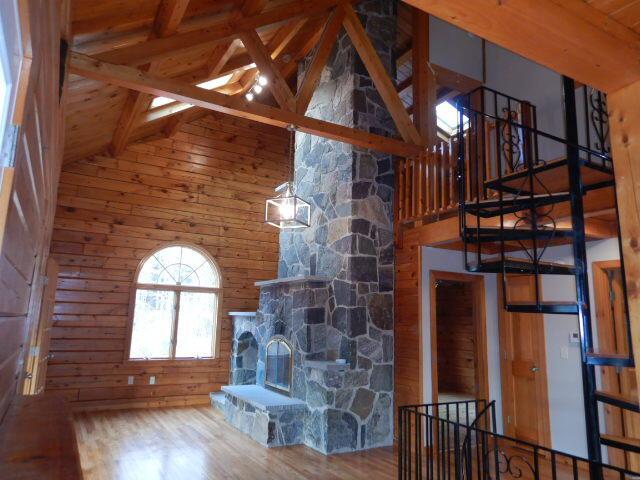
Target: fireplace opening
{"x":278,"y":365}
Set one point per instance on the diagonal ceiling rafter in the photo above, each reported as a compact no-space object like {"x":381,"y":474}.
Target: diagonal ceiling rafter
{"x":237,"y":106}
{"x":379,"y":76}
{"x":304,"y":43}
{"x":168,"y":16}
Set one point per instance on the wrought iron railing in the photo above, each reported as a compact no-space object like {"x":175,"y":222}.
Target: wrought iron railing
{"x":442,"y":441}
{"x":508,"y":167}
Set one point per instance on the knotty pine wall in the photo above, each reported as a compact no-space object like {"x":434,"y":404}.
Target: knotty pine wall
{"x":206,"y":185}
{"x":29,"y":219}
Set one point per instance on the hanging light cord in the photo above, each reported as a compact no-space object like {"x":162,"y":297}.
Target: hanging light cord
{"x":292,"y":140}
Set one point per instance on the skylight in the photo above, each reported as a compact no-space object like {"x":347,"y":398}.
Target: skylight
{"x":448,"y":118}
{"x":208,"y":85}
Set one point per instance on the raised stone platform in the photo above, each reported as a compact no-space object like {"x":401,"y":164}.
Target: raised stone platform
{"x":263,"y":398}
{"x":271,"y":419}
{"x":218,"y":399}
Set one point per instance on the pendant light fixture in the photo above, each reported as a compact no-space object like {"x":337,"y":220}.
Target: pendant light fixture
{"x":287,"y":210}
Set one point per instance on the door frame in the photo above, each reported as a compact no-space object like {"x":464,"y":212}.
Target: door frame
{"x":544,"y":422}
{"x":613,"y":417}
{"x":480,"y":321}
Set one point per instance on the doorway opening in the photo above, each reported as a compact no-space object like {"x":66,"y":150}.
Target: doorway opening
{"x":613,"y":337}
{"x":458,"y":337}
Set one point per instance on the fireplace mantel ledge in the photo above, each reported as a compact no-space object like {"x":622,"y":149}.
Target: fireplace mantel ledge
{"x":290,"y":280}
{"x":262,"y":398}
{"x":242,"y":314}
{"x":329,"y":365}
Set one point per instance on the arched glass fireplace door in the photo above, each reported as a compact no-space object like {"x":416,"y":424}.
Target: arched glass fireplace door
{"x":279,"y":364}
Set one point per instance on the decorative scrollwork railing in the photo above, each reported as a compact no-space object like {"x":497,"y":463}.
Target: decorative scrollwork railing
{"x":459,"y":441}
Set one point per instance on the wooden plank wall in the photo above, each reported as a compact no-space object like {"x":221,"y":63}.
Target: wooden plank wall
{"x":28,"y":227}
{"x":408,"y":376}
{"x":456,"y":339}
{"x":206,"y":185}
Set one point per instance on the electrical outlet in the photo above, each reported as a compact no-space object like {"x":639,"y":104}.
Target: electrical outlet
{"x":152,"y":380}
{"x":130,"y":380}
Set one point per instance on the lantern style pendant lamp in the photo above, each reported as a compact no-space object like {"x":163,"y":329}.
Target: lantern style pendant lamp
{"x":287,"y":210}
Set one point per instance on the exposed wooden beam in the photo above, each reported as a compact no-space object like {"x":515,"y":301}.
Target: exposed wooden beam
{"x":168,"y":17}
{"x":404,"y":84}
{"x":226,"y":28}
{"x":575,"y":40}
{"x":304,"y":44}
{"x":320,"y":57}
{"x":219,"y":57}
{"x":135,"y":103}
{"x":404,"y":57}
{"x":276,"y":45}
{"x":624,"y":118}
{"x":252,"y":7}
{"x":379,"y":75}
{"x":424,"y":81}
{"x":135,"y":79}
{"x":277,"y":84}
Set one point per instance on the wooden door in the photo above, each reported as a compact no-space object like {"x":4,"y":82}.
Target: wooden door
{"x":612,"y":337}
{"x":523,"y":367}
{"x":39,"y":352}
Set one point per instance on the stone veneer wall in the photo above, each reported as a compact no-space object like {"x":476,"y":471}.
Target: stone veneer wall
{"x":350,"y":241}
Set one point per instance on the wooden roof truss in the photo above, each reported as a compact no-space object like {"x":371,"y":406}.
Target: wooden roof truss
{"x":139,"y":68}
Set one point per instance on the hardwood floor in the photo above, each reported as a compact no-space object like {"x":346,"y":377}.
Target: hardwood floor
{"x":196,"y":443}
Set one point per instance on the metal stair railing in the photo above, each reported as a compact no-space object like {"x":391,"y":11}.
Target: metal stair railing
{"x":513,"y":188}
{"x":436,"y":444}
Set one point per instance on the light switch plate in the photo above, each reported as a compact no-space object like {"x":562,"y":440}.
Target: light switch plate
{"x":130,"y":380}
{"x":152,"y":380}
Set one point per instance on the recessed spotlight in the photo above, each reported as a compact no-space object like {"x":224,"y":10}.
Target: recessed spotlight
{"x":262,"y":80}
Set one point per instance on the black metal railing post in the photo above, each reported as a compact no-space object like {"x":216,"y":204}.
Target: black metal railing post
{"x":582,"y":281}
{"x":400,"y":444}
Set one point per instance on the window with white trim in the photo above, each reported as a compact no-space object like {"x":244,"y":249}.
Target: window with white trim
{"x":177,"y":299}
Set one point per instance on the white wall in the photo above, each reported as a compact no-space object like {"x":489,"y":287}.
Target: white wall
{"x":451,"y":261}
{"x":507,"y":73}
{"x":566,"y":408}
{"x":455,"y":49}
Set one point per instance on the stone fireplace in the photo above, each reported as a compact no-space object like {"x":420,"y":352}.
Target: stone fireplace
{"x":333,"y":302}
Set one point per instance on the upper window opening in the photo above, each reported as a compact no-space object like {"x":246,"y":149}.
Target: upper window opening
{"x":208,"y":85}
{"x":177,"y":296}
{"x":448,"y":118}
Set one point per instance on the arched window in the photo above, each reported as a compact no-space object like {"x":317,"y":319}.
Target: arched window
{"x":177,"y":297}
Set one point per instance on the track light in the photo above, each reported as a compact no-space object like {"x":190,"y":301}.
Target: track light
{"x":249,"y":96}
{"x":262,"y":80}
{"x":257,"y":89}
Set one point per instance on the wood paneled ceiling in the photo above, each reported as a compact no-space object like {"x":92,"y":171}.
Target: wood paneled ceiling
{"x":626,"y":12}
{"x":169,"y":38}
